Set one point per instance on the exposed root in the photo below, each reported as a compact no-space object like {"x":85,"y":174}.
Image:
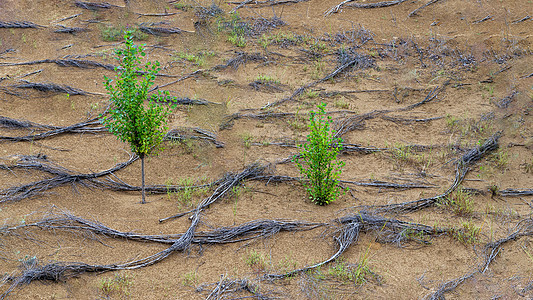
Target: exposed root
{"x":94,"y":5}
{"x":224,"y":186}
{"x":415,"y":12}
{"x":160,"y":31}
{"x":389,"y":231}
{"x":490,"y":252}
{"x":19,"y":24}
{"x":62,"y":177}
{"x":241,"y":59}
{"x":462,"y":168}
{"x":89,"y":126}
{"x":51,"y":87}
{"x":226,"y":287}
{"x":195,"y":134}
{"x":515,"y":193}
{"x":348,"y":3}
{"x":71,"y":30}
{"x":84,"y":64}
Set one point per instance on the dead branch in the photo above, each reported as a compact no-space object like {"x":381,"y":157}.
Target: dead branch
{"x":490,"y":252}
{"x":521,"y":20}
{"x":515,"y":193}
{"x":68,"y":18}
{"x":462,"y":168}
{"x":161,"y":31}
{"x":62,"y":177}
{"x":348,"y":3}
{"x":71,"y":30}
{"x":84,"y":64}
{"x":94,"y":5}
{"x":415,"y":12}
{"x":505,"y":101}
{"x":18,"y":124}
{"x":353,"y":62}
{"x":262,"y":3}
{"x":390,"y":231}
{"x":19,"y":24}
{"x":56,"y":219}
{"x":51,"y":87}
{"x":194,"y":134}
{"x":231,"y":288}
{"x":241,"y":59}
{"x":89,"y":126}
{"x":407,"y":121}
{"x":387,"y":185}
{"x":489,"y":17}
{"x":225,"y":185}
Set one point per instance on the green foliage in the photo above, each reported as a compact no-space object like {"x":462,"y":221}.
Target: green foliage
{"x":191,"y":279}
{"x":128,"y":119}
{"x":459,"y":201}
{"x":345,"y":272}
{"x":267,"y":79}
{"x":318,"y":159}
{"x":255,"y":260}
{"x":467,"y":234}
{"x":118,"y":285}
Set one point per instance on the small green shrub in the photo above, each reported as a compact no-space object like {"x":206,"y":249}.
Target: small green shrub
{"x":467,"y":234}
{"x":118,"y":285}
{"x":459,"y":201}
{"x":191,"y":279}
{"x":255,"y":260}
{"x":318,"y":159}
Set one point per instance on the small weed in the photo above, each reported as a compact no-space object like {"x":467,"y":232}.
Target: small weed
{"x":467,"y":234}
{"x":318,"y":70}
{"x":267,"y":79}
{"x":118,"y":285}
{"x":341,"y":104}
{"x":183,"y":6}
{"x":320,"y":47}
{"x":312,"y":94}
{"x":235,"y":27}
{"x":247,"y":140}
{"x":287,"y":264}
{"x":451,"y":121}
{"x":283,"y":39}
{"x":357,"y":274}
{"x":298,"y":122}
{"x":459,"y":201}
{"x":500,"y":159}
{"x":255,"y":260}
{"x":198,"y":60}
{"x":191,"y":279}
{"x":401,"y":152}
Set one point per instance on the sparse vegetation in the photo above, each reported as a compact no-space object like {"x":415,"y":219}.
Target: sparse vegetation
{"x":255,"y":260}
{"x":117,"y":286}
{"x":191,"y":279}
{"x":468,"y":233}
{"x":459,"y":202}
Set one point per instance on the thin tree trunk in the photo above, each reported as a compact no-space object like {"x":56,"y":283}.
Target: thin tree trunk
{"x":142,"y":176}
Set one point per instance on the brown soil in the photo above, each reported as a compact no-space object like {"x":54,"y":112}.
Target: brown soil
{"x":446,"y":44}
